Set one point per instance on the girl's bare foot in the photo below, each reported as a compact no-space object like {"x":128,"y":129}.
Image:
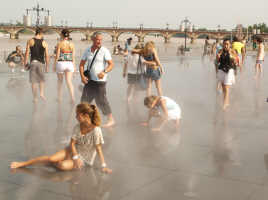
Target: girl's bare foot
{"x":225,"y":106}
{"x":72,"y":102}
{"x":106,"y":170}
{"x":43,"y":97}
{"x":15,"y":165}
{"x":156,"y":129}
{"x":144,"y":124}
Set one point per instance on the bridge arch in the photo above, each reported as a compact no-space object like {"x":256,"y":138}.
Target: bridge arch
{"x":124,"y":35}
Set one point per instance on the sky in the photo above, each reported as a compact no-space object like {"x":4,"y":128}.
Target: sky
{"x":150,"y":13}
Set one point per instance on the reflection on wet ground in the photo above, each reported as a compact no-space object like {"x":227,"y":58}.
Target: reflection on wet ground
{"x":215,"y":155}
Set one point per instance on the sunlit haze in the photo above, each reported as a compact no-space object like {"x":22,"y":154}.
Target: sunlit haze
{"x":203,"y":14}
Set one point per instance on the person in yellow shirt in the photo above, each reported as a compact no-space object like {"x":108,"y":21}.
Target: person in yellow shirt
{"x":239,"y":47}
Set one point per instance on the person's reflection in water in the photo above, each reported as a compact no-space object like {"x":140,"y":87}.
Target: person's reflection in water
{"x":83,"y":184}
{"x":258,"y":100}
{"x":266,"y":160}
{"x":224,"y":151}
{"x":64,"y":127}
{"x":16,"y":86}
{"x":36,"y":138}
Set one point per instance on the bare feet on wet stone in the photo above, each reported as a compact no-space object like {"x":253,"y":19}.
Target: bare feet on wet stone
{"x":15,"y":165}
{"x":225,"y":106}
{"x":156,"y":130}
{"x":43,"y":98}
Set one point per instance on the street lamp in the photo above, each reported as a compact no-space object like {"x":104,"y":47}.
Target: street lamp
{"x":141,"y":26}
{"x":38,"y":11}
{"x":115,"y":24}
{"x":167,"y":25}
{"x":186,"y":24}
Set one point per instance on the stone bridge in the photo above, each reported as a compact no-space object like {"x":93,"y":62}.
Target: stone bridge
{"x":115,"y":33}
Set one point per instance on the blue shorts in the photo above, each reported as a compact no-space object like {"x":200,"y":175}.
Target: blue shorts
{"x":259,"y":61}
{"x":154,"y":74}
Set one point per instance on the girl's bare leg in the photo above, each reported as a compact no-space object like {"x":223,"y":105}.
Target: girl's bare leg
{"x":226,"y":102}
{"x":260,"y":69}
{"x":35,"y":91}
{"x":177,"y":124}
{"x":149,"y":89}
{"x":130,"y":95}
{"x":158,"y":87}
{"x":65,"y":165}
{"x":69,"y":81}
{"x":257,"y":70}
{"x":60,"y":82}
{"x":57,"y":157}
{"x":130,"y":91}
{"x":162,"y":122}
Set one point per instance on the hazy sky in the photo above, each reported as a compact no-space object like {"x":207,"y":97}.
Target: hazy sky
{"x":151,"y":13}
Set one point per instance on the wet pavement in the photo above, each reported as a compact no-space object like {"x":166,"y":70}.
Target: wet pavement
{"x":216,"y":155}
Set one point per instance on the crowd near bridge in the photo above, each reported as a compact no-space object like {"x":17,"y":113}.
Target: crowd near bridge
{"x":140,"y":33}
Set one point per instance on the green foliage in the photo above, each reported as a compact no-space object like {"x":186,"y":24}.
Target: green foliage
{"x":18,"y":23}
{"x":262,"y":26}
{"x":202,"y":29}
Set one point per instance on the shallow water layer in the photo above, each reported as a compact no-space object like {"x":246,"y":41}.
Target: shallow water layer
{"x":215,"y":155}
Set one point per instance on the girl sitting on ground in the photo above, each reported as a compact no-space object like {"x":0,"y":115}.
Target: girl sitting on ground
{"x":85,"y":142}
{"x":163,"y":107}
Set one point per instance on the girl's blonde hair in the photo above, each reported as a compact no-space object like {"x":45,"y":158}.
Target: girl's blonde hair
{"x":91,"y":111}
{"x":148,"y":101}
{"x":148,"y":47}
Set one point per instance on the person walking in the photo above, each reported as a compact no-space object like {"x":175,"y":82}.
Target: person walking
{"x":64,"y":64}
{"x":133,"y":69}
{"x":38,"y":49}
{"x":99,"y":65}
{"x":239,"y":47}
{"x":260,"y":57}
{"x":227,"y":59}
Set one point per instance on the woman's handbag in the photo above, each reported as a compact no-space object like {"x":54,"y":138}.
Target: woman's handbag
{"x":87,"y":72}
{"x":141,"y":79}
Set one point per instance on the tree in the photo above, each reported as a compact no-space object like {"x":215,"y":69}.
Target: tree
{"x":261,"y":26}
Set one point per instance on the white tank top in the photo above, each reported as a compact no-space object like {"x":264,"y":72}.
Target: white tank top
{"x":262,"y":53}
{"x":170,"y":104}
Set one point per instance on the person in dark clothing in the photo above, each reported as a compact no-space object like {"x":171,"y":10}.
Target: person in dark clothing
{"x":227,"y":62}
{"x":15,"y":58}
{"x":39,"y":62}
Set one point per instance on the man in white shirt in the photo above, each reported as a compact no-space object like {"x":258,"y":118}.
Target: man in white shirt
{"x":95,"y":83}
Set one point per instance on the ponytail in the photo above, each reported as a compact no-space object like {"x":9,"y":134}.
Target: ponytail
{"x":95,"y":118}
{"x":91,"y":111}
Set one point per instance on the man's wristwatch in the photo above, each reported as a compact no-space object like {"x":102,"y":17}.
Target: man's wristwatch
{"x":105,"y":71}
